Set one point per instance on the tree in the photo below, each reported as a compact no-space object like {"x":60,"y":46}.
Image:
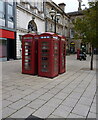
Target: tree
{"x":86,"y":28}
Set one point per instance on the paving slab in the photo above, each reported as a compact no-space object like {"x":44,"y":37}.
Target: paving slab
{"x":81,"y":110}
{"x":36,"y":104}
{"x":44,"y":111}
{"x":62,"y":111}
{"x":23,"y":113}
{"x":19,"y":104}
{"x":68,"y":95}
{"x":46,"y":96}
{"x":53,"y":102}
{"x":91,"y":115}
{"x":5,"y":103}
{"x":72,"y":115}
{"x":70,"y":102}
{"x":6,"y":112}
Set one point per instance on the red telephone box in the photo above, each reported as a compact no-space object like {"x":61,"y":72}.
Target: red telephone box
{"x":78,"y":53}
{"x":29,"y":54}
{"x":48,"y":55}
{"x":62,"y":54}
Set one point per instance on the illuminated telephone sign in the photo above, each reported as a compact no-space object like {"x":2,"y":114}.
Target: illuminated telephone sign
{"x":48,"y":51}
{"x":62,"y":54}
{"x":29,"y":54}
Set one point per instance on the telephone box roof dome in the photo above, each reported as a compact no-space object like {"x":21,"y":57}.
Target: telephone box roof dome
{"x":61,"y":36}
{"x":48,"y":33}
{"x":33,"y":34}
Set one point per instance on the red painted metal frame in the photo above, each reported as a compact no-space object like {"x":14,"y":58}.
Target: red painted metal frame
{"x":78,"y":53}
{"x":51,"y":41}
{"x":33,"y":54}
{"x":62,"y":54}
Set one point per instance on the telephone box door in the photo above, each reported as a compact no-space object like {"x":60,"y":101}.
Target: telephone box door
{"x":62,"y":54}
{"x":29,"y":54}
{"x":48,"y":51}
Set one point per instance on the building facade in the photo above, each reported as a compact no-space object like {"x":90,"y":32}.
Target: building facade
{"x":62,"y":22}
{"x":35,"y":17}
{"x":30,"y":18}
{"x":7,"y":30}
{"x":73,"y":43}
{"x":22,"y":17}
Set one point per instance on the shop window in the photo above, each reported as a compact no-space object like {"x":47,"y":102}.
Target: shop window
{"x":3,"y":48}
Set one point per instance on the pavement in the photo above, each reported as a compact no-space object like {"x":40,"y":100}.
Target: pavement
{"x":69,"y":95}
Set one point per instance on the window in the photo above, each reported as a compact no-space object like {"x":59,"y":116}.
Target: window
{"x":1,"y":9}
{"x":32,"y":26}
{"x":10,"y":12}
{"x":71,"y":33}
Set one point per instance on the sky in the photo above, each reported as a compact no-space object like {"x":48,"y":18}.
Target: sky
{"x":71,"y":5}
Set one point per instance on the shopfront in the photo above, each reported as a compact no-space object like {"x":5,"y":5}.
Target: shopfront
{"x":7,"y":45}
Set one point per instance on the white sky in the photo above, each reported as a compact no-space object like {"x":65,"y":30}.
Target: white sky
{"x":71,"y":5}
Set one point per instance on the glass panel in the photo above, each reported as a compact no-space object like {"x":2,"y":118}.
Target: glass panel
{"x":27,"y":47}
{"x":10,"y":2}
{"x":10,"y":24}
{"x":27,"y":60}
{"x":45,"y":47}
{"x":44,"y":66}
{"x":1,"y":9}
{"x":45,"y":54}
{"x":44,"y":62}
{"x":10,"y":18}
{"x":2,"y":22}
{"x":44,"y":58}
{"x":44,"y":50}
{"x":55,"y":57}
{"x":27,"y":55}
{"x":27,"y":66}
{"x":44,"y":70}
{"x":45,"y":43}
{"x":1,"y":6}
{"x":27,"y":43}
{"x":1,"y":15}
{"x":27,"y":50}
{"x":10,"y":10}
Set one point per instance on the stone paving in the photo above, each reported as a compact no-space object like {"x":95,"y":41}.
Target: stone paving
{"x":69,"y":95}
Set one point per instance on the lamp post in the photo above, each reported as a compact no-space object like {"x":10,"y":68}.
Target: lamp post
{"x":55,"y":16}
{"x":79,"y":8}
